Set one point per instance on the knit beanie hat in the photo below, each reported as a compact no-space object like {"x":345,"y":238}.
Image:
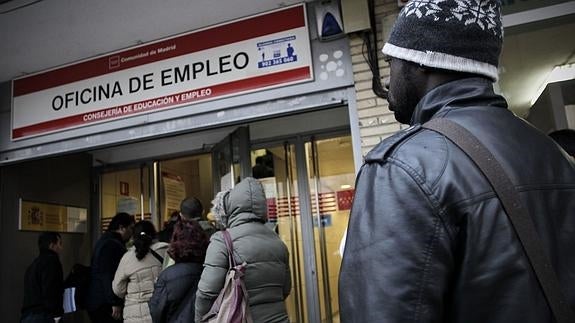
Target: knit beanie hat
{"x":456,"y":35}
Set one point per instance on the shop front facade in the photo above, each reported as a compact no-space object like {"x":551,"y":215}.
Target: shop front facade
{"x":139,"y":129}
{"x":265,"y":95}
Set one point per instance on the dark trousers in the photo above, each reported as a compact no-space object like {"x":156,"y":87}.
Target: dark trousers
{"x":37,"y":318}
{"x":102,"y":315}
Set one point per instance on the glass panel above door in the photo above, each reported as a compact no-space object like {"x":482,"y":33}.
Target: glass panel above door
{"x":231,"y":161}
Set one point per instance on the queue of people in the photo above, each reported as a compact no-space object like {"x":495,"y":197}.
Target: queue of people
{"x":175,"y":281}
{"x":431,"y":237}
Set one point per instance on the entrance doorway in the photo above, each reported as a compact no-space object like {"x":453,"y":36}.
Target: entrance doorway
{"x":309,"y":186}
{"x":308,"y":182}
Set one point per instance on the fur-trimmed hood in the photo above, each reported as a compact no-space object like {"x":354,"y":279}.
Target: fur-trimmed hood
{"x":246,"y":202}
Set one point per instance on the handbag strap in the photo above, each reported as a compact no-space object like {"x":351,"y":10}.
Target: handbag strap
{"x":230,"y":247}
{"x":517,"y":214}
{"x":157,"y":255}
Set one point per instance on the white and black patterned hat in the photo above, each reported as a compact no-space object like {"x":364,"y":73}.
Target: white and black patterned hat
{"x":456,"y":35}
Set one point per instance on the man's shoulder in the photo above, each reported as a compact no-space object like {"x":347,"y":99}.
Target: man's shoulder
{"x":47,"y":258}
{"x":385,"y":148}
{"x":422,"y":153}
{"x":108,"y":243}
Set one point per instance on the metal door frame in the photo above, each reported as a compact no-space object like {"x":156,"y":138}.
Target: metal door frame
{"x":236,"y":145}
{"x":305,"y":205}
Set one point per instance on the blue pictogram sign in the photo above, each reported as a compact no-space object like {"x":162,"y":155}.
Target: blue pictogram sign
{"x":277,"y":51}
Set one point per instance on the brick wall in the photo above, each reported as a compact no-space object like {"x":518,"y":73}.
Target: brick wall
{"x":376,"y":122}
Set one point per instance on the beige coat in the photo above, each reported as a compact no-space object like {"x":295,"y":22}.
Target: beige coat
{"x":134,"y":282}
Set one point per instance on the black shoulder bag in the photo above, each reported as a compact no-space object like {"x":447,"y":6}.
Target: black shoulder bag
{"x":516,"y":213}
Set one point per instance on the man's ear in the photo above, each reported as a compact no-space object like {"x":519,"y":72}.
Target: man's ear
{"x":421,"y":77}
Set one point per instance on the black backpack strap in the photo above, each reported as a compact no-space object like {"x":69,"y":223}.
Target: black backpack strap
{"x":517,"y":214}
{"x":157,"y":255}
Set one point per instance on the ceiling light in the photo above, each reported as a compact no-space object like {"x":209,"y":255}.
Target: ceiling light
{"x":558,"y":74}
{"x":345,"y":186}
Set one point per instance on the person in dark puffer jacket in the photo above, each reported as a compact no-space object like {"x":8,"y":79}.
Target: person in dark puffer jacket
{"x":174,"y":294}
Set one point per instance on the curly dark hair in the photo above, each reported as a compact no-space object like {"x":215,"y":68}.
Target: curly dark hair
{"x":189,"y":242}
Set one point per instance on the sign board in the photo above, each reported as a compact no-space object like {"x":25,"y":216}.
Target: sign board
{"x":128,"y":204}
{"x":36,"y":216}
{"x":174,"y":193}
{"x":270,"y":191}
{"x":246,"y":55}
{"x":345,"y":199}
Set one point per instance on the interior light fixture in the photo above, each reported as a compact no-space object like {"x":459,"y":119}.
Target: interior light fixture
{"x":345,"y":186}
{"x":558,"y":74}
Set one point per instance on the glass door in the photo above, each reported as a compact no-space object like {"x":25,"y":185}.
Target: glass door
{"x":179,"y":178}
{"x":125,"y":190}
{"x":230,"y":158}
{"x":309,"y":186}
{"x":275,"y":168}
{"x":331,"y":176}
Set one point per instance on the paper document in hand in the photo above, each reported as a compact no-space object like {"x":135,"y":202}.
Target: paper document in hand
{"x":69,"y":300}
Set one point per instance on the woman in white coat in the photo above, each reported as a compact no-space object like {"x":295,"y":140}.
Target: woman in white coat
{"x":138,"y":271}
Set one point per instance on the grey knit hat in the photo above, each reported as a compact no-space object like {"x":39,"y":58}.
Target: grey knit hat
{"x":456,"y":35}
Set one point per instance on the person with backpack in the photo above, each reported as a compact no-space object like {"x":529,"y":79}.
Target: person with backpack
{"x":266,"y":275}
{"x":137,"y":272}
{"x":174,"y":294}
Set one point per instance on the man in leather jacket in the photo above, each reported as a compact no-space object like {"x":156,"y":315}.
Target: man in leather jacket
{"x":428,"y":240}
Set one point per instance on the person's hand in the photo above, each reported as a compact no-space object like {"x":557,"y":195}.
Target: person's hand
{"x":117,"y":312}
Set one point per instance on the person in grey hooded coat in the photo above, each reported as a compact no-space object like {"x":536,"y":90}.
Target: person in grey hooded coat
{"x":267,"y":277}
